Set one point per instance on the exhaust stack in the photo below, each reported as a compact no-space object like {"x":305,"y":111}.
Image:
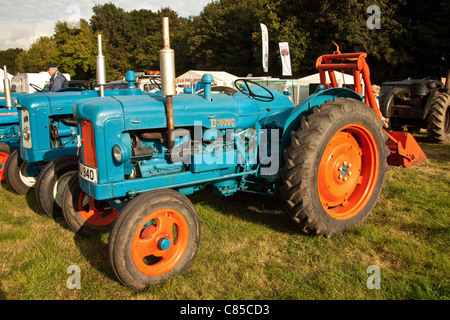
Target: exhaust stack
{"x":101,"y":74}
{"x":167,"y":67}
{"x":8,"y":97}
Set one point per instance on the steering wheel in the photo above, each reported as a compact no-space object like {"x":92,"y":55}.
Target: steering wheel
{"x":155,"y":84}
{"x":37,"y":88}
{"x":245,"y":89}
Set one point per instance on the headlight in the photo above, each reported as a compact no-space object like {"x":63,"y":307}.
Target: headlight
{"x":26,"y":133}
{"x":121,"y":152}
{"x":118,"y":154}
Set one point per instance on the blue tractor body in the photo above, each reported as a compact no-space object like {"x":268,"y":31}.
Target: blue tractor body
{"x":224,"y":140}
{"x":48,"y":131}
{"x":48,"y":120}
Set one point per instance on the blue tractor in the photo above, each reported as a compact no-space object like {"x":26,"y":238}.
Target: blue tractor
{"x":48,"y":152}
{"x":9,"y":133}
{"x":9,"y":125}
{"x":9,"y":122}
{"x":141,"y":155}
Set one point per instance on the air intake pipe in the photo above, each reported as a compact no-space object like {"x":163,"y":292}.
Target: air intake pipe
{"x":101,"y":74}
{"x":8,"y":97}
{"x":167,"y":67}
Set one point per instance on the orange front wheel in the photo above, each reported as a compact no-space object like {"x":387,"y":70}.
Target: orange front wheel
{"x":156,"y":236}
{"x":5,"y":151}
{"x":84,"y":214}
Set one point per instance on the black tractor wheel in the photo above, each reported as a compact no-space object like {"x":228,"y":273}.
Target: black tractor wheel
{"x":439,"y":119}
{"x":156,"y":236}
{"x":85,"y":215}
{"x":5,"y":151}
{"x":51,"y":183}
{"x":20,"y":175}
{"x":334,"y":168}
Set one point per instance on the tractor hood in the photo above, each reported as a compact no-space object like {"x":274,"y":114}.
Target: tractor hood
{"x":148,"y":111}
{"x":61,"y":103}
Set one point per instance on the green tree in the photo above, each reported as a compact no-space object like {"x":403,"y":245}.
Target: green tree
{"x":345,"y":22}
{"x":133,"y":39}
{"x":109,"y":21}
{"x":76,"y":50}
{"x":426,"y":41}
{"x":222,"y":36}
{"x":8,"y":59}
{"x":35,"y":59}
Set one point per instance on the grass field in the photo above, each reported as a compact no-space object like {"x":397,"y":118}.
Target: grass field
{"x":250,"y":250}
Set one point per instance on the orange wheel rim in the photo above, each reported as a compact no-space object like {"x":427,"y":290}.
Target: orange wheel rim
{"x":94,"y":212}
{"x":160,"y":242}
{"x":348,"y":172}
{"x":3,"y":158}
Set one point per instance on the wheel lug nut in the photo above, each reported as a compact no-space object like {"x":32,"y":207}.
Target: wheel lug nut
{"x":340,"y":176}
{"x":349,"y":165}
{"x":340,"y":169}
{"x":345,"y":163}
{"x":349,"y":173}
{"x":345,"y":178}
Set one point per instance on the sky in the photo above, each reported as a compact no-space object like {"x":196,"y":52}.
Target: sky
{"x":24,"y":21}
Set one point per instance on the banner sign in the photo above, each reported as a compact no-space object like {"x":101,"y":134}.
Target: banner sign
{"x":285,"y":58}
{"x":265,"y":47}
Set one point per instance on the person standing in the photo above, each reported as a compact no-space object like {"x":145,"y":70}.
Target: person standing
{"x":57,"y":80}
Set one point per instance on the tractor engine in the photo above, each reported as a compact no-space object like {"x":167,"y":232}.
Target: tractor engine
{"x":47,"y":127}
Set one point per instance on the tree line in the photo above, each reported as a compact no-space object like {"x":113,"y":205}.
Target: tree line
{"x":411,"y":38}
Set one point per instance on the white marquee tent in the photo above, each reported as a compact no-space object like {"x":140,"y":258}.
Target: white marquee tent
{"x":221,"y":78}
{"x":341,"y":78}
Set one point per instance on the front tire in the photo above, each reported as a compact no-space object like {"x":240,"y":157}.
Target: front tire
{"x":51,"y":183}
{"x":156,"y":236}
{"x":335,"y":167}
{"x":83,"y":214}
{"x":5,"y":151}
{"x":19,"y":174}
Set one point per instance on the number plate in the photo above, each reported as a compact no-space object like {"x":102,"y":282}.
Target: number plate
{"x":88,"y":173}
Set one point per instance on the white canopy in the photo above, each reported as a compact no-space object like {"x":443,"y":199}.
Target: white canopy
{"x":341,"y":78}
{"x":221,"y":78}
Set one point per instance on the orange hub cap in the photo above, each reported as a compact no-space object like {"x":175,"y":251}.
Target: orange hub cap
{"x":160,"y":242}
{"x":348,"y":172}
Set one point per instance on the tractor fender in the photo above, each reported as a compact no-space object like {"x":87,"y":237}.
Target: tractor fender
{"x":387,"y":101}
{"x":305,"y":107}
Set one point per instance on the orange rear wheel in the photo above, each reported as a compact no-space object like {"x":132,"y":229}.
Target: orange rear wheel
{"x":335,"y":167}
{"x":348,"y":171}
